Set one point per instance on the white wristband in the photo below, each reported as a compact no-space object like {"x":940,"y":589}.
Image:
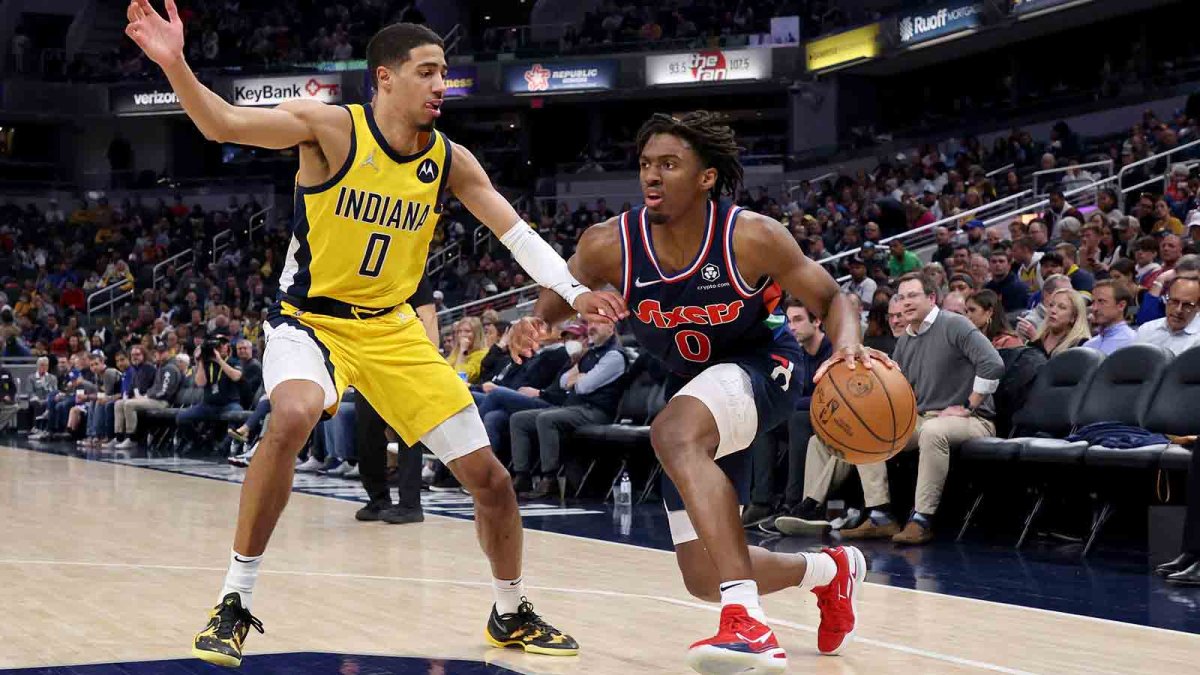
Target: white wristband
{"x":541,"y":262}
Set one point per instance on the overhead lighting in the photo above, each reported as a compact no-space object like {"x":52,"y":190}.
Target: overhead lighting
{"x":1053,"y":8}
{"x":946,"y":38}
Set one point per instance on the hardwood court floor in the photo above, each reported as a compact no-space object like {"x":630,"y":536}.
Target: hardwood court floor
{"x":109,"y":563}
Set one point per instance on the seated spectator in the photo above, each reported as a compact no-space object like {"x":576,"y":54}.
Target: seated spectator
{"x":1040,"y":236}
{"x":987,"y":314}
{"x":593,"y":388}
{"x":879,"y":334}
{"x":521,"y":386}
{"x":1111,"y":301}
{"x":901,"y":261}
{"x":99,"y":410}
{"x":1179,"y":330}
{"x":8,"y":400}
{"x":1066,"y":324}
{"x":860,"y":284}
{"x":219,"y":381}
{"x":1025,"y":255}
{"x":815,"y":349}
{"x":954,"y":370}
{"x":162,"y":393}
{"x":980,"y":270}
{"x":961,"y":283}
{"x":251,"y":380}
{"x":1152,"y":306}
{"x":1145,"y":257}
{"x":955,"y":303}
{"x":466,"y":355}
{"x":495,"y":339}
{"x":39,"y":386}
{"x":136,"y":383}
{"x":1081,"y":279}
{"x":1165,"y":221}
{"x":937,"y":276}
{"x":1006,"y":283}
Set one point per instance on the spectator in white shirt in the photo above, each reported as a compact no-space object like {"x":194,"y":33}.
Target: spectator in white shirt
{"x":860,"y":284}
{"x":1179,"y":330}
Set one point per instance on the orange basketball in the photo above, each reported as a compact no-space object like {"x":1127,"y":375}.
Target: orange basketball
{"x":864,"y":416}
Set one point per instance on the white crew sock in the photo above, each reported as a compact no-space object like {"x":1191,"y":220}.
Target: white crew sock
{"x":820,"y":569}
{"x":243,"y":572}
{"x":508,"y":594}
{"x":743,"y":592}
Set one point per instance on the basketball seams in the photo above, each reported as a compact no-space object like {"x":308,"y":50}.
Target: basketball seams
{"x":892,"y":408}
{"x":833,"y":382}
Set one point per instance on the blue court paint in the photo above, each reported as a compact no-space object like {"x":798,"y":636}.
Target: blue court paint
{"x":1110,"y":584}
{"x":283,"y":664}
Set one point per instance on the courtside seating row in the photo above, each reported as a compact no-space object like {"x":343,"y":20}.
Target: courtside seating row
{"x":161,"y":422}
{"x":1140,"y":385}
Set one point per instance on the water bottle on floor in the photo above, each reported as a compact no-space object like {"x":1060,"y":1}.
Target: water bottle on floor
{"x":625,"y":490}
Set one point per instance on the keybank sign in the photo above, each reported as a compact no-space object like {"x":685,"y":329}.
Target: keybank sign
{"x":949,"y":19}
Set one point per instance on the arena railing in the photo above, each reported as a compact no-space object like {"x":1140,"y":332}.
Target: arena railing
{"x":108,"y":297}
{"x":1000,"y":169}
{"x":1164,"y":157}
{"x":258,"y":221}
{"x":181,"y":261}
{"x":1090,"y":191}
{"x":505,"y":300}
{"x":221,"y":242}
{"x":443,"y":258}
{"x":1038,"y":176}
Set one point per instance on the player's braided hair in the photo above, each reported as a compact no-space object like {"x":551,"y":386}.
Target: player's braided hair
{"x":710,"y":136}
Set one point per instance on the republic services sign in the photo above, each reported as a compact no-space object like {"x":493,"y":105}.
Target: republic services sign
{"x":324,"y":87}
{"x":708,"y":65}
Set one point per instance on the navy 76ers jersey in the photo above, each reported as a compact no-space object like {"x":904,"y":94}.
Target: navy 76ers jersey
{"x":706,"y":314}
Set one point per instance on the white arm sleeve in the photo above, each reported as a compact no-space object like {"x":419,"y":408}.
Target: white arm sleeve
{"x":542,"y":263}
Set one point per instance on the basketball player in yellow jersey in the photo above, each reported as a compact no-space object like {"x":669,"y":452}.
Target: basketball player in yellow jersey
{"x":367,"y":201}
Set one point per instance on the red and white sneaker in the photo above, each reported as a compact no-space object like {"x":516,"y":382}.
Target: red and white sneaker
{"x":742,"y":645}
{"x":838,"y":601}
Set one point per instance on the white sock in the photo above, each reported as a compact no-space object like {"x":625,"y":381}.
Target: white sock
{"x":743,"y":592}
{"x":508,"y":594}
{"x":243,"y":572}
{"x":820,"y":569}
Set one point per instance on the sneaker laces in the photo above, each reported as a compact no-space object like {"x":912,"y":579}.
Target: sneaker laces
{"x":531,"y":619}
{"x":827,"y":598}
{"x":230,"y":616}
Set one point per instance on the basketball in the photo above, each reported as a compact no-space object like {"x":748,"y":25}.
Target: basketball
{"x":864,"y":416}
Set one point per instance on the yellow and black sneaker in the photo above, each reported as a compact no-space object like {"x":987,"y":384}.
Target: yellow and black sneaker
{"x":527,"y":630}
{"x":220,"y":643}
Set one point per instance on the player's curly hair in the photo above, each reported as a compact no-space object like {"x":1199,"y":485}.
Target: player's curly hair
{"x":710,"y":136}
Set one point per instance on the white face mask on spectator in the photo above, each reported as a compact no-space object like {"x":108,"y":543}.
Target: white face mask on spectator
{"x":574,"y":348}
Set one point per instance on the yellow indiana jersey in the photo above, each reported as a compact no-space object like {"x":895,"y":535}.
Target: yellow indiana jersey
{"x":362,"y":237}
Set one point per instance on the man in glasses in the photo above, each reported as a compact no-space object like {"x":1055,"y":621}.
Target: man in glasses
{"x":1178,"y":330}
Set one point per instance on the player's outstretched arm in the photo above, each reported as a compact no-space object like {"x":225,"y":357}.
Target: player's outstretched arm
{"x":766,"y":248}
{"x":596,"y":263}
{"x":471,"y":185}
{"x":161,"y":39}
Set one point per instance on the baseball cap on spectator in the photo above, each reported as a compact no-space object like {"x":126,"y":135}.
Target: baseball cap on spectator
{"x":573,"y":329}
{"x":868,"y":246}
{"x":490,"y":287}
{"x":1194,"y":219}
{"x":975,"y":224}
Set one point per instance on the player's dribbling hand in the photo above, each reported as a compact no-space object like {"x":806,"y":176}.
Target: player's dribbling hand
{"x":852,"y":355}
{"x":525,"y":337}
{"x":161,"y":39}
{"x":604,"y":306}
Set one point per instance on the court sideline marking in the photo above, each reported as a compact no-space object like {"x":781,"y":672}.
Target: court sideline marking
{"x":938,"y":656}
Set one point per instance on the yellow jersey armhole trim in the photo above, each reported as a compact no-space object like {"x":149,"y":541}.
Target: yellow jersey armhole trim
{"x":350,"y":156}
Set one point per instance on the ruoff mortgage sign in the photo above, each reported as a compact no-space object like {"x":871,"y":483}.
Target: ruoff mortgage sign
{"x":324,"y":87}
{"x":934,"y":22}
{"x":708,"y":65}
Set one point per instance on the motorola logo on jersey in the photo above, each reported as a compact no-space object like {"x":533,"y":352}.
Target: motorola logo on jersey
{"x":651,"y":311}
{"x":427,"y":171}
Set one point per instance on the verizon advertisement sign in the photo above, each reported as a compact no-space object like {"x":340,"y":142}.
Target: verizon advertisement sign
{"x":324,"y":87}
{"x":708,"y":65}
{"x":138,"y":99}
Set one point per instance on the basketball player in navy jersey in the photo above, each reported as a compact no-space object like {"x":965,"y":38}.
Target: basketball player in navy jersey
{"x":682,"y":262}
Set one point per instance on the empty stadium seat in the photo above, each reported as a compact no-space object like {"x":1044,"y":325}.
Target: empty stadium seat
{"x":1117,"y":392}
{"x":1048,"y":409}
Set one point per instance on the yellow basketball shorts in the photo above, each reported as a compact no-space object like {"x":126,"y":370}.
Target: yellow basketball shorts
{"x":389,"y":360}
